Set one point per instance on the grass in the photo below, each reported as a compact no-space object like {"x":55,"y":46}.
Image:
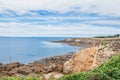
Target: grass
{"x":18,"y":78}
{"x":111,"y":36}
{"x":40,"y":77}
{"x":107,"y":71}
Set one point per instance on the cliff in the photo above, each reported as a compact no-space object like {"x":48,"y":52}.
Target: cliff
{"x":96,"y":52}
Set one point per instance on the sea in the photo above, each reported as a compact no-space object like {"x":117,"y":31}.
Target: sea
{"x":29,"y":49}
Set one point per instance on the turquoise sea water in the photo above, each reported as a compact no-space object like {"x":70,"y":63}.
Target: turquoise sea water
{"x":28,"y":49}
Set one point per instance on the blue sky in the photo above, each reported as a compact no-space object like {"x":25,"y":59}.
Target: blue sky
{"x":72,"y":18}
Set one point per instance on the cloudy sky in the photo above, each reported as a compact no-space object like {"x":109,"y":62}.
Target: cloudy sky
{"x":73,"y":18}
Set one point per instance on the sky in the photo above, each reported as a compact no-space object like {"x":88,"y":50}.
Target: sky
{"x":59,"y":18}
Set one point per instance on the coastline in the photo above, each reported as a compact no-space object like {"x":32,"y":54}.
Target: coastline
{"x":56,"y":63}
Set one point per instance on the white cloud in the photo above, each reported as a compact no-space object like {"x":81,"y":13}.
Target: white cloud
{"x":103,"y":7}
{"x":28,"y":29}
{"x":104,"y":22}
{"x":11,"y":26}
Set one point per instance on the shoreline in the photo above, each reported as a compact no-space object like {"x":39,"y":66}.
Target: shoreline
{"x":56,"y":63}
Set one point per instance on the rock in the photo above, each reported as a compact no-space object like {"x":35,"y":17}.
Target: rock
{"x":58,"y":75}
{"x":37,"y":70}
{"x":1,"y":64}
{"x":67,"y":40}
{"x":13,"y":72}
{"x":1,"y":67}
{"x":10,"y":66}
{"x":52,"y":75}
{"x":25,"y":70}
{"x":51,"y":68}
{"x":9,"y":69}
{"x":77,"y":40}
{"x":81,"y":61}
{"x":59,"y":68}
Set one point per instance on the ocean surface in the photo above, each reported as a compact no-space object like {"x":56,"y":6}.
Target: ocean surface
{"x":29,"y":49}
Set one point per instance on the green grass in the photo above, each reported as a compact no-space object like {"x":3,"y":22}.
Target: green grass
{"x":107,"y":71}
{"x":18,"y":78}
{"x":40,"y":77}
{"x":111,"y":36}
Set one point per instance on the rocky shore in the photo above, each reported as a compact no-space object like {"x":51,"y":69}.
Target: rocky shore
{"x":45,"y":65}
{"x":95,"y":51}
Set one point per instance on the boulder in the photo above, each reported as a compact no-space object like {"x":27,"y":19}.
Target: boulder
{"x":51,"y":68}
{"x":52,"y":75}
{"x":81,"y":61}
{"x":25,"y":70}
{"x":38,"y":69}
{"x":9,"y":67}
{"x":13,"y":72}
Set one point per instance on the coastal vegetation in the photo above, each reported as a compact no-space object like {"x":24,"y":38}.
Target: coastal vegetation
{"x":111,"y":36}
{"x":19,"y":78}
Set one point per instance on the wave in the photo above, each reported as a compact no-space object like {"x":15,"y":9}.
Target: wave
{"x":47,"y":44}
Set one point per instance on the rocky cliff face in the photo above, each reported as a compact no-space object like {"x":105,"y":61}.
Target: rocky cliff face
{"x":91,"y":57}
{"x":81,"y":61}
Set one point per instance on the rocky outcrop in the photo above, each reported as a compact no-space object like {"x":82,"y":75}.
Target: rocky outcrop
{"x":84,"y":42}
{"x":55,"y":59}
{"x":8,"y":68}
{"x":91,"y":57}
{"x":81,"y":61}
{"x":45,"y":66}
{"x":107,"y":50}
